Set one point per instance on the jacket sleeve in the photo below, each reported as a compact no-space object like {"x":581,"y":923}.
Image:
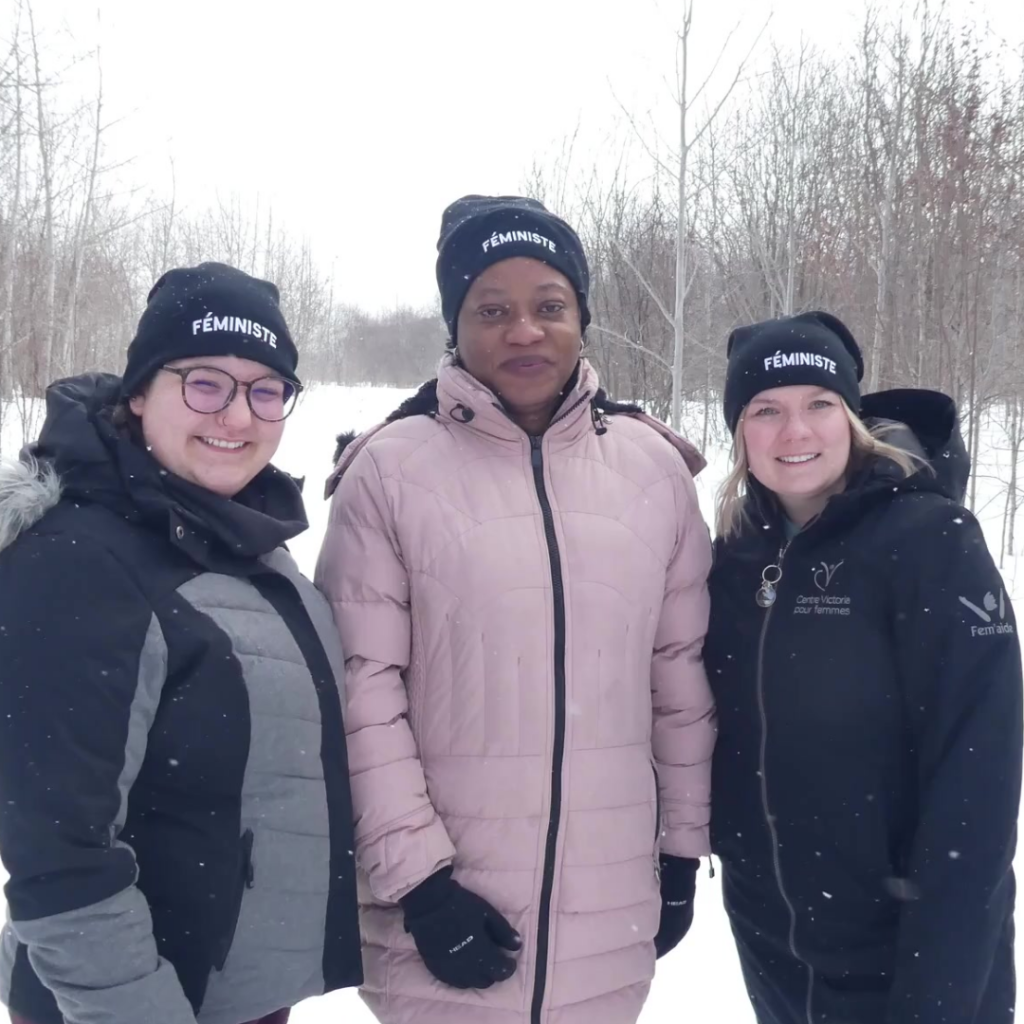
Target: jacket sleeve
{"x":961,"y":670}
{"x":684,"y":728}
{"x":400,"y":840}
{"x":82,"y":664}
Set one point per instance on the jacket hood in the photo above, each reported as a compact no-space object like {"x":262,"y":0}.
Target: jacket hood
{"x":926,"y":424}
{"x":28,"y":490}
{"x":457,"y":398}
{"x":81,"y":455}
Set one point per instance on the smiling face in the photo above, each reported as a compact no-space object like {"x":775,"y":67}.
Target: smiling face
{"x":519,"y":334}
{"x":221,"y":451}
{"x":797,"y":441}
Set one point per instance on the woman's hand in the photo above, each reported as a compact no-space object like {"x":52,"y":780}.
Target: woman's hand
{"x":678,"y":887}
{"x":460,"y":936}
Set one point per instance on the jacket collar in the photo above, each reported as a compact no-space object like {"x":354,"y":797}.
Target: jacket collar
{"x":463,"y":400}
{"x":459,"y":401}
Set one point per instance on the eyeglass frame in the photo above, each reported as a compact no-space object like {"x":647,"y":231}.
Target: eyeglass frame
{"x":184,"y":371}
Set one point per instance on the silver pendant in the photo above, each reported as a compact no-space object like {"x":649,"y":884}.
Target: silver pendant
{"x":765,"y":596}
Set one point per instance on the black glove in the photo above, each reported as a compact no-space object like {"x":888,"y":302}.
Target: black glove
{"x":678,"y":886}
{"x":459,"y":934}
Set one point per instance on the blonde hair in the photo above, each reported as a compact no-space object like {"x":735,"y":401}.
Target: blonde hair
{"x":866,"y":445}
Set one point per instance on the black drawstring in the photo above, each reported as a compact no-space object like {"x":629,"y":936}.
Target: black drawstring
{"x":600,"y":427}
{"x":462,"y":414}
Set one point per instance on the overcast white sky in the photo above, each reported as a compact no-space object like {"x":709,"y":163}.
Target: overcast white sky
{"x":359,"y":121}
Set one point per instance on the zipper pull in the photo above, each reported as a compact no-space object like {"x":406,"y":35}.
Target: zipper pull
{"x":770,"y":576}
{"x":711,"y":867}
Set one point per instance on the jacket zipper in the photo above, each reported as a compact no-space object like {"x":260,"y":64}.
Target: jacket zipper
{"x":657,"y":811}
{"x":765,"y":807}
{"x":585,"y":397}
{"x":558,"y":419}
{"x":558,"y":752}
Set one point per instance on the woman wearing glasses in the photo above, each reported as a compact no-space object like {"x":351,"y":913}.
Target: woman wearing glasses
{"x":174,"y":806}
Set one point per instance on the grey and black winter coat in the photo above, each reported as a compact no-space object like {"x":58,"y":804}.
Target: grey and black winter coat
{"x":866,"y":780}
{"x":175,"y":813}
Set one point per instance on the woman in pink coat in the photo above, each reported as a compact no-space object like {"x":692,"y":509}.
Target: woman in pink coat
{"x":518,"y":570}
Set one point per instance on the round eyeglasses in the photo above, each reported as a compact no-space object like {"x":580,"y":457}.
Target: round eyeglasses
{"x":206,"y":389}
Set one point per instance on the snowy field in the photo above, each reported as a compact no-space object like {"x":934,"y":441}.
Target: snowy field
{"x":700,"y":981}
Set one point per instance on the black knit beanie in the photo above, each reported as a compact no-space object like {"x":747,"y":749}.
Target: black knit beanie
{"x":477,"y":231}
{"x":209,"y":310}
{"x":810,"y":348}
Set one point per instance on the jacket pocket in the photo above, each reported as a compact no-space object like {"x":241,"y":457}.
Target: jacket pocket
{"x":244,"y":879}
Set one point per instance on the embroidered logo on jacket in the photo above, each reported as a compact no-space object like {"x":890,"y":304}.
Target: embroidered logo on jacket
{"x":823,"y":576}
{"x":992,"y":613}
{"x":823,"y":603}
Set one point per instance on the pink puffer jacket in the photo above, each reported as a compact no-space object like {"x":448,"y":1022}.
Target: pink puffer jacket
{"x":523,"y":624}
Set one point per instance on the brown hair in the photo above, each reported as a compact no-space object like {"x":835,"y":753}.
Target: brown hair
{"x":127,"y":422}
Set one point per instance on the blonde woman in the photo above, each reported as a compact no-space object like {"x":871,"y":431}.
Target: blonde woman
{"x":865,"y":663}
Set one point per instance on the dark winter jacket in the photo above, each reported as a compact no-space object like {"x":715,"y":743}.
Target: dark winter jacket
{"x":867,"y":774}
{"x":174,"y":805}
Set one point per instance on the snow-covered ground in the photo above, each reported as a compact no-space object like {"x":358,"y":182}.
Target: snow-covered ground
{"x":700,"y":981}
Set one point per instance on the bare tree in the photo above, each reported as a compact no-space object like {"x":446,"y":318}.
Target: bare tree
{"x":880,"y":181}
{"x":83,"y":230}
{"x":44,"y":137}
{"x":685,"y":102}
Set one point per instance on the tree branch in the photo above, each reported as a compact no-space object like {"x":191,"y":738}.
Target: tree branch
{"x":648,"y":287}
{"x":622,"y":339}
{"x":732,"y":85}
{"x":640,"y":138}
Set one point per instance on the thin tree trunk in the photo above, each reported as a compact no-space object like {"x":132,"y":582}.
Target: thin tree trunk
{"x":9,"y":251}
{"x":45,"y":352}
{"x":708,"y":333}
{"x":165,"y":249}
{"x":67,"y":348}
{"x":883,"y":270}
{"x":678,"y":323}
{"x":974,"y":433}
{"x":795,"y":114}
{"x":1010,"y":513}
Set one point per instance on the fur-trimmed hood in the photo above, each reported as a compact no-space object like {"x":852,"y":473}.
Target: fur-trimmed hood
{"x":28,"y":490}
